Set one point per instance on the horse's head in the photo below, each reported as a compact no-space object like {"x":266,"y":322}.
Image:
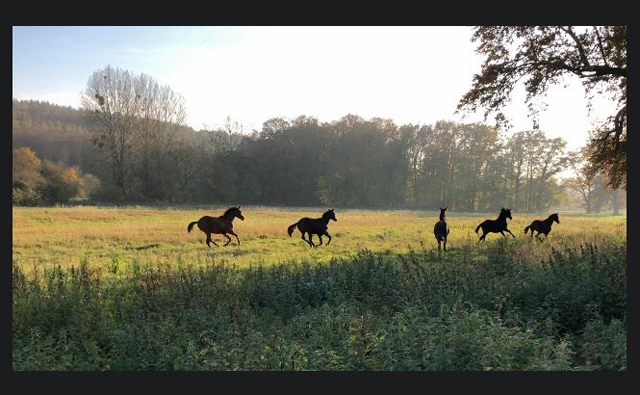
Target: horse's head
{"x":506,"y":212}
{"x":554,"y":217}
{"x":330,"y":214}
{"x":443,"y":213}
{"x":235,"y":212}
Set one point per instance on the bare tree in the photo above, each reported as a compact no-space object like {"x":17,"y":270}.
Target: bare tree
{"x":156,"y":132}
{"x":133,"y":115}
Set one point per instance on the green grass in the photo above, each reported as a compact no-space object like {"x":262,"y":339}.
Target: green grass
{"x":68,"y":236}
{"x":129,"y":289}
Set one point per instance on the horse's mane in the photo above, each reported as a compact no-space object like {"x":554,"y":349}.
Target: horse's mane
{"x":229,"y":210}
{"x":326,"y":214}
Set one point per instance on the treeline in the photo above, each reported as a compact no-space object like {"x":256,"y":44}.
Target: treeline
{"x":349,"y":162}
{"x":56,"y":133}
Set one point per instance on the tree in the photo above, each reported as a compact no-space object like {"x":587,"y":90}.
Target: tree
{"x":61,"y":183}
{"x":90,"y":185}
{"x":543,"y":56}
{"x":27,"y":178}
{"x":585,"y":182}
{"x":133,"y":115}
{"x":155,"y":135}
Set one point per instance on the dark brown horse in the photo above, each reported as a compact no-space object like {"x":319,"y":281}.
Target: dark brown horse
{"x":543,"y":227}
{"x":441,"y":229}
{"x":496,"y":226}
{"x":218,"y":225}
{"x":317,"y":226}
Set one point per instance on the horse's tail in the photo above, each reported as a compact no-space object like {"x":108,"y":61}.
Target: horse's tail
{"x":527,"y":228}
{"x":291,"y":228}
{"x":479,"y":226}
{"x":191,"y":226}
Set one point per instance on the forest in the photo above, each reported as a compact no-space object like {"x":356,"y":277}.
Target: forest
{"x":349,"y":162}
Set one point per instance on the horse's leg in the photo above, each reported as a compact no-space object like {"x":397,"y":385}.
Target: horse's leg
{"x":234,"y":233}
{"x":328,"y":235}
{"x":484,"y":234}
{"x":514,"y":236}
{"x":445,"y":244}
{"x":438,"y":244}
{"x":320,"y":237}
{"x":305,"y":240}
{"x":213,"y":241}
{"x":502,"y":233}
{"x":228,"y":239}
{"x":210,"y":240}
{"x":311,"y":239}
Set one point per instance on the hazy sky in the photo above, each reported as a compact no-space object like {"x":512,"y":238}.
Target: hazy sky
{"x":408,"y":74}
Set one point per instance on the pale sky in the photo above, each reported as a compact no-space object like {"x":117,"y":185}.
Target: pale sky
{"x":408,"y":74}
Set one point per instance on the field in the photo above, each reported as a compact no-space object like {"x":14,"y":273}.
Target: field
{"x":130,"y":289}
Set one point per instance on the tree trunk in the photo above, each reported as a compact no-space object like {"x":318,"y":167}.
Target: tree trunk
{"x":615,"y":202}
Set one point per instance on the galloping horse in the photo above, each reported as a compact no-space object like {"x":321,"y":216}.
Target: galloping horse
{"x":317,"y":226}
{"x":495,"y":226}
{"x":441,"y":229}
{"x":542,"y":226}
{"x":218,"y":225}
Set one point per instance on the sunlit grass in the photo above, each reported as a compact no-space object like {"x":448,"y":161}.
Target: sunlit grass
{"x":69,"y":235}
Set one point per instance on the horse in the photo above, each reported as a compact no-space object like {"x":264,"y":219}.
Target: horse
{"x":218,"y":225}
{"x":542,"y":226}
{"x":497,"y":225}
{"x":317,"y":226}
{"x":441,"y":229}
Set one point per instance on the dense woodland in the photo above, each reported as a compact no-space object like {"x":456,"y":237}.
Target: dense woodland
{"x":349,"y":162}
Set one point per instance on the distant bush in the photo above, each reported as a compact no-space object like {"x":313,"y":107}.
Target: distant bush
{"x":46,"y":183}
{"x":61,"y":184}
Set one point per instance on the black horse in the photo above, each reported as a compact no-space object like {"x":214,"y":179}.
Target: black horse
{"x":496,"y":226}
{"x":316,"y":226}
{"x":441,"y":229}
{"x":218,"y":225}
{"x":543,"y":227}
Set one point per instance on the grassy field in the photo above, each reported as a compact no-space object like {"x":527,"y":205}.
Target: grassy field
{"x":130,"y":289}
{"x":68,"y":236}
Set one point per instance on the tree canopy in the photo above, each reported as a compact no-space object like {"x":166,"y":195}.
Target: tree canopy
{"x":542,"y":56}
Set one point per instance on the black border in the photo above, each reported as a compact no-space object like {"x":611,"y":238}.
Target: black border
{"x":326,"y":14}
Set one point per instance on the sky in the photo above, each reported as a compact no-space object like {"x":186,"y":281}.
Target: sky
{"x":251,"y":74}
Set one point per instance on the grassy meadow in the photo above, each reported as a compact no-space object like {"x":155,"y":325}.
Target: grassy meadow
{"x":130,"y":289}
{"x":66,"y":236}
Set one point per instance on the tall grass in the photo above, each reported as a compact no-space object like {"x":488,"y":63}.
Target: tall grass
{"x":487,"y":307}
